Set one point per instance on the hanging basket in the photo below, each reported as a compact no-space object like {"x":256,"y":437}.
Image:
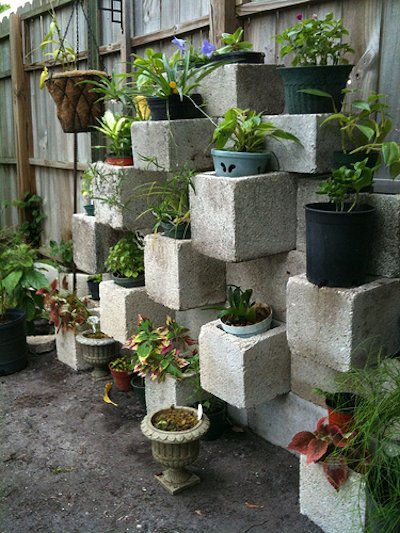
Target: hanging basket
{"x":77,"y":106}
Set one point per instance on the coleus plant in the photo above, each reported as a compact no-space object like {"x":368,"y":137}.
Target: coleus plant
{"x":325,"y":446}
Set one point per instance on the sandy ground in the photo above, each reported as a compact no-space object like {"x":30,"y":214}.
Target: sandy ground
{"x":71,"y":463}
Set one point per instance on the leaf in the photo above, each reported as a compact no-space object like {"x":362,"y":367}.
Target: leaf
{"x":300,"y":441}
{"x":336,"y":471}
{"x":250,"y":505}
{"x":237,"y":429}
{"x":317,"y":448}
{"x":11,"y":281}
{"x":365,"y":130}
{"x":106,"y":397}
{"x":315,"y":92}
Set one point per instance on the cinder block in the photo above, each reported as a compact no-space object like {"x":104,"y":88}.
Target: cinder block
{"x":257,"y":87}
{"x":193,"y":319}
{"x":239,"y":219}
{"x":340,"y":328}
{"x":239,"y":416}
{"x":318,"y":144}
{"x":69,"y":351}
{"x":244,"y":372}
{"x":278,"y":420}
{"x":268,"y":277}
{"x":119,"y":308}
{"x":305,"y":374}
{"x":173,"y":144}
{"x":91,"y":243}
{"x":41,"y":343}
{"x":178,"y":277}
{"x":342,"y":511}
{"x":171,"y":392}
{"x":82,"y":289}
{"x":115,"y":202}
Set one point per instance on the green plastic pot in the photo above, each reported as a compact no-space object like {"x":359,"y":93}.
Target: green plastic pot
{"x":137,"y":384}
{"x":239,"y":164}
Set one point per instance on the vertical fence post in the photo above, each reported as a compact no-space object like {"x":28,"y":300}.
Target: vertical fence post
{"x":126,"y":36}
{"x":21,"y":111}
{"x":222,"y":19}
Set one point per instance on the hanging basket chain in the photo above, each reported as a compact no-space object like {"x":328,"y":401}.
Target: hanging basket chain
{"x":92,"y":35}
{"x":62,"y":39}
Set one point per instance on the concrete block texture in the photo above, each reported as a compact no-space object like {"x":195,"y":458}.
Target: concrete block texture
{"x":268,"y":277}
{"x":193,"y":319}
{"x":116,"y":202}
{"x":179,"y":277}
{"x":69,"y":351}
{"x":172,"y":144}
{"x":119,"y":308}
{"x":91,"y":243}
{"x":81,"y":282}
{"x":41,"y":343}
{"x":171,"y":392}
{"x":239,"y":219}
{"x":342,"y":511}
{"x":244,"y":372}
{"x":314,"y":156}
{"x":340,"y":328}
{"x":257,"y":87}
{"x":279,"y":419}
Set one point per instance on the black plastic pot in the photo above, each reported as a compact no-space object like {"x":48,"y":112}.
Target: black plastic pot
{"x":328,"y":78}
{"x":217,"y":417}
{"x":181,"y":231}
{"x":93,"y":287}
{"x":173,"y":108}
{"x":13,"y":348}
{"x":89,"y":208}
{"x":248,"y":57}
{"x":129,"y":283}
{"x":337,"y":244}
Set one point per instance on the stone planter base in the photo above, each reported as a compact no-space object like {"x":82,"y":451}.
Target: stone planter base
{"x":166,"y":479}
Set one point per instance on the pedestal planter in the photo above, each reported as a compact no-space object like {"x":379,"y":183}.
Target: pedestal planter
{"x":13,"y":347}
{"x":328,"y":78}
{"x":337,"y":244}
{"x":98,"y":353}
{"x":175,"y":450}
{"x":129,"y":283}
{"x":238,"y":164}
{"x":173,"y":108}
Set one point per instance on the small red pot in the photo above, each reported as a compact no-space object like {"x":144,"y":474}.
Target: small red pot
{"x":122,"y":379}
{"x":344,"y":421}
{"x":119,"y":161}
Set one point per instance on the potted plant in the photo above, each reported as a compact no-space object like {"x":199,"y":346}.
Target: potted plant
{"x":168,"y":202}
{"x":98,"y":349}
{"x":174,"y":435}
{"x":244,"y":132}
{"x":318,"y":63}
{"x":77,"y":106}
{"x":340,"y":407}
{"x":125,"y":261}
{"x":117,"y":129}
{"x":338,"y":231}
{"x":93,"y":282}
{"x":236,"y":50}
{"x":87,"y":190}
{"x":169,"y":83}
{"x":121,"y":370}
{"x":242,"y":317}
{"x":18,"y":302}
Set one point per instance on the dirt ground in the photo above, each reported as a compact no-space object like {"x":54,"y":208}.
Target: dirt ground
{"x":71,"y":463}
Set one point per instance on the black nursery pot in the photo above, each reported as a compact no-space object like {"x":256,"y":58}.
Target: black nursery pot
{"x":248,"y":57}
{"x":13,"y":348}
{"x":93,"y":287}
{"x":173,"y":108}
{"x":337,"y":244}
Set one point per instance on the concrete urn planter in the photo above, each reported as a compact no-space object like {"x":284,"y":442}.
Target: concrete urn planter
{"x":175,"y":450}
{"x":98,"y":353}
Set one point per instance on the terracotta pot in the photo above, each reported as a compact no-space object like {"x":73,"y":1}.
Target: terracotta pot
{"x":119,"y":161}
{"x":122,"y":379}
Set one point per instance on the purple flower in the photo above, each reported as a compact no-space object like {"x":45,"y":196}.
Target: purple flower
{"x":299,"y":16}
{"x":180,"y":43}
{"x":207,"y":48}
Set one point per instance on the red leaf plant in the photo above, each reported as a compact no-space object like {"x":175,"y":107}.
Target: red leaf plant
{"x":324,"y":446}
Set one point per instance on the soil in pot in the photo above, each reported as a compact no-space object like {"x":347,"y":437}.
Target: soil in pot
{"x":174,"y":419}
{"x":173,"y":108}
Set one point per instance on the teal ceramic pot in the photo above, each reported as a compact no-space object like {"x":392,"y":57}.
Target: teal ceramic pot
{"x":238,"y":164}
{"x":251,"y":329}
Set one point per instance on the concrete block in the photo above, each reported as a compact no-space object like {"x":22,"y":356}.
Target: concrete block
{"x":318,"y":144}
{"x":170,"y":392}
{"x":268,"y":277}
{"x":340,"y":328}
{"x":257,"y":87}
{"x":244,"y":372}
{"x":115,"y":202}
{"x":342,"y":511}
{"x":81,"y":282}
{"x":238,"y":416}
{"x":239,"y":219}
{"x":173,"y":143}
{"x":278,"y":420}
{"x":178,"y":277}
{"x":119,"y":308}
{"x":91,"y":243}
{"x":193,"y":319}
{"x":41,"y":343}
{"x":50,"y":272}
{"x":305,"y":374}
{"x":69,"y":351}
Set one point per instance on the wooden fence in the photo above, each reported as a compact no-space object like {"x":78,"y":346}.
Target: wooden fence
{"x":35,"y":154}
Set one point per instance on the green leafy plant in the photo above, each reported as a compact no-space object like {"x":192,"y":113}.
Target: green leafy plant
{"x":117,"y":130}
{"x":122,"y":364}
{"x":19,"y":280}
{"x":62,"y":253}
{"x":97,"y":278}
{"x":162,"y":350}
{"x":31,"y":229}
{"x":126,"y":258}
{"x":4,"y":7}
{"x":233,"y":42}
{"x":315,"y":41}
{"x":246,"y":132}
{"x":345,"y":184}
